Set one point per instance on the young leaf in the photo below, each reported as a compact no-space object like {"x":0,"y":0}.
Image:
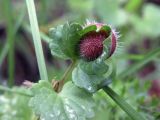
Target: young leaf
{"x":94,"y":67}
{"x":72,"y":103}
{"x":56,"y":34}
{"x":91,"y":82}
{"x":64,"y":40}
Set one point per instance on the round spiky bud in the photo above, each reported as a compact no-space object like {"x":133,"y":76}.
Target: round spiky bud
{"x":91,"y":43}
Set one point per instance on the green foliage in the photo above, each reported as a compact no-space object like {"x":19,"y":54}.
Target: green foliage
{"x":88,"y":82}
{"x":133,"y":5}
{"x":88,"y":29}
{"x":15,"y":106}
{"x":93,"y":67}
{"x":84,"y":99}
{"x":81,"y":5}
{"x":124,"y":105}
{"x":93,"y":27}
{"x":90,"y":76}
{"x":64,"y":40}
{"x":102,"y":109}
{"x":110,"y":12}
{"x":149,"y":23}
{"x":147,"y":58}
{"x":106,"y":28}
{"x":70,"y":104}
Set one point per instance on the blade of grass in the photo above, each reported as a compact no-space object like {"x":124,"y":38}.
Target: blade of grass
{"x":43,"y":11}
{"x":4,"y":53}
{"x":36,"y":39}
{"x":10,"y":40}
{"x":124,"y":105}
{"x":16,"y":27}
{"x":133,"y":68}
{"x":130,"y":56}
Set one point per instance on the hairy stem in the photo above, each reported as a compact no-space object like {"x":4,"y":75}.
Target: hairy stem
{"x":68,"y":71}
{"x":58,"y":85}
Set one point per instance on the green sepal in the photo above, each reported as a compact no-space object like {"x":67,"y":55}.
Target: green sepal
{"x":88,"y":29}
{"x":106,"y":28}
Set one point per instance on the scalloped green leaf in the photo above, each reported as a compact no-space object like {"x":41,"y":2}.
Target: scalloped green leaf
{"x":64,"y":40}
{"x":89,"y":82}
{"x":72,"y":103}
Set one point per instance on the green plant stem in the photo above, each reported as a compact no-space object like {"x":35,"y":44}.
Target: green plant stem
{"x":58,"y":85}
{"x":6,"y":89}
{"x":68,"y":71}
{"x":124,"y":105}
{"x":36,"y":39}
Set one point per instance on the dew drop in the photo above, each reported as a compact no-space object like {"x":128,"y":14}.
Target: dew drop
{"x":4,"y":99}
{"x":51,"y":115}
{"x":90,"y":113}
{"x":58,"y":112}
{"x":42,"y":119}
{"x":71,"y":113}
{"x":83,"y":107}
{"x":89,"y":88}
{"x":14,"y":113}
{"x":62,"y":117}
